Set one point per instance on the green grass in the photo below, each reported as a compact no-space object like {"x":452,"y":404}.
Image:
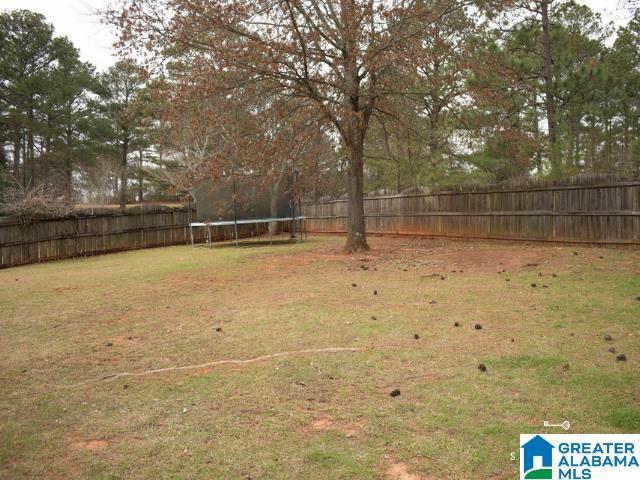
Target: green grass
{"x":322,"y":415}
{"x":626,"y":418}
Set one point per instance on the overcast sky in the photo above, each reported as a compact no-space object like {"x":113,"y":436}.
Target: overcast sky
{"x":76,"y":19}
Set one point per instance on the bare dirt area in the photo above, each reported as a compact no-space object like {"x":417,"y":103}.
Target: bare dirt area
{"x":439,"y":255}
{"x":420,"y":359}
{"x":398,"y":471}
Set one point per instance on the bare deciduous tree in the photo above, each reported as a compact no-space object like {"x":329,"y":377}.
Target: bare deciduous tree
{"x":31,"y":202}
{"x":332,"y":57}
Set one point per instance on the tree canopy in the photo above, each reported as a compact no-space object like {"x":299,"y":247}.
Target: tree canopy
{"x":353,"y":95}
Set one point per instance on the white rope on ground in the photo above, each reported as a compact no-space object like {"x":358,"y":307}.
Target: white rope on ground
{"x":114,"y":376}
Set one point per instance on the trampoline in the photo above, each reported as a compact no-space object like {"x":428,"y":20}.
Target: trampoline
{"x":241,"y":199}
{"x":226,"y":223}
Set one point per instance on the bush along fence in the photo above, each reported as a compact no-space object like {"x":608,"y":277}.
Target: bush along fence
{"x":585,"y":209}
{"x":100,"y":230}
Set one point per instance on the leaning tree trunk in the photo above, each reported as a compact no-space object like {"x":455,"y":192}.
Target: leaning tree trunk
{"x":356,"y":235}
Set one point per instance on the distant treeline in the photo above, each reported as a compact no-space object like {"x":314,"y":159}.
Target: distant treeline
{"x":542,"y":90}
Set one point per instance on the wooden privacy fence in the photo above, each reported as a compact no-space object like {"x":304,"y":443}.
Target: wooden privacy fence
{"x":96,"y":231}
{"x":606,"y":213}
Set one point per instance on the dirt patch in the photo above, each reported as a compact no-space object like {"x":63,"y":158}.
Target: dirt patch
{"x":88,"y":444}
{"x":435,"y":255}
{"x":325,"y":423}
{"x":398,"y":471}
{"x":458,"y":257}
{"x":442,"y":259}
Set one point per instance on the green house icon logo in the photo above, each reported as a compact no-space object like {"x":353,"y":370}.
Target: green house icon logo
{"x":537,"y":459}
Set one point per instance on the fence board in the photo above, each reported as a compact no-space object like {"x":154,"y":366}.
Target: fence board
{"x":606,"y":213}
{"x":99,"y":231}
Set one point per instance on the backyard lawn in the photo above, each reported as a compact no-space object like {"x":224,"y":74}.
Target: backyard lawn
{"x":338,"y":335}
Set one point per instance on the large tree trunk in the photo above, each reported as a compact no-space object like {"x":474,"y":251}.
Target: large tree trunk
{"x":356,"y":235}
{"x":548,"y":90}
{"x":355,"y":129}
{"x":122,"y":194}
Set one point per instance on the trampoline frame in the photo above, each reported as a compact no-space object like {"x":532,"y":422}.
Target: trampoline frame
{"x":256,"y":221}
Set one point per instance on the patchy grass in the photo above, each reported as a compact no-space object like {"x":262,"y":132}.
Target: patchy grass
{"x":320,"y":415}
{"x":626,"y":418}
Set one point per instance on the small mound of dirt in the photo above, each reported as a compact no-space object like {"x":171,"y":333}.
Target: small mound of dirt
{"x":395,"y":393}
{"x":88,"y":444}
{"x":398,"y":471}
{"x":326,"y":423}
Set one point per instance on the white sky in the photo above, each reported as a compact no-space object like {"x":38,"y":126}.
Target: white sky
{"x":76,"y":19}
